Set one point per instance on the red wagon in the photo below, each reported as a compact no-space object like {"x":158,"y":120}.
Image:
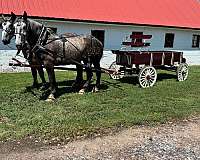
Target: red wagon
{"x":144,"y":63}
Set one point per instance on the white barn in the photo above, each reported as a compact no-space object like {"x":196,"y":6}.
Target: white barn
{"x":174,"y":25}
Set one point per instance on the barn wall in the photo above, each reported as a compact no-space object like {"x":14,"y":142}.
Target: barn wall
{"x":114,"y":34}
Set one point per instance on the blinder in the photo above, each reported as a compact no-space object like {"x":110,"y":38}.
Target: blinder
{"x":21,"y":32}
{"x":8,"y":30}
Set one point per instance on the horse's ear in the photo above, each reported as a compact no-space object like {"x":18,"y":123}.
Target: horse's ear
{"x":25,"y":16}
{"x":3,"y":17}
{"x":13,"y":16}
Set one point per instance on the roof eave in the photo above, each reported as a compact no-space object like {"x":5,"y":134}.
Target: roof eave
{"x":106,"y":22}
{"x":116,"y":23}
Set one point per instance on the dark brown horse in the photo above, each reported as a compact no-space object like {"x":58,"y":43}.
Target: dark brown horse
{"x":7,"y":34}
{"x":53,"y":50}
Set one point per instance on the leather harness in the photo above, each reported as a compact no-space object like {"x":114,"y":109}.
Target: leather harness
{"x":43,"y":38}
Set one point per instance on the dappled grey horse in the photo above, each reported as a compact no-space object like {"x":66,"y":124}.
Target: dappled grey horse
{"x":53,"y":50}
{"x":7,"y":34}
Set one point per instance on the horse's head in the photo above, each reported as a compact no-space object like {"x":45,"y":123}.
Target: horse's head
{"x":8,"y":28}
{"x":21,"y":30}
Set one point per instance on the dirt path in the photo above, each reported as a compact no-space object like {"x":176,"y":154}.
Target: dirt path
{"x":180,"y":140}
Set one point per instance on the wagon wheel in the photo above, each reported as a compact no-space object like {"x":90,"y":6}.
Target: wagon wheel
{"x":182,"y":72}
{"x":147,"y":77}
{"x":115,"y":74}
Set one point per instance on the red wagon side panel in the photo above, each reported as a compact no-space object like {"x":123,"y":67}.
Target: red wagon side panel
{"x":157,"y":59}
{"x":178,"y":56}
{"x":154,"y":58}
{"x":143,"y":58}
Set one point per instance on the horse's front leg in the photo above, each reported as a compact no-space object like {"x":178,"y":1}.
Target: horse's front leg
{"x":34,"y":75}
{"x":41,"y":74}
{"x":52,"y":81}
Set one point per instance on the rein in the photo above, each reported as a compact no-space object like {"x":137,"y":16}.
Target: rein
{"x":40,"y":36}
{"x":10,"y":47}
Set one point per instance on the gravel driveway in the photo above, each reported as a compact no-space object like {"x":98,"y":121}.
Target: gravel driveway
{"x":172,"y":141}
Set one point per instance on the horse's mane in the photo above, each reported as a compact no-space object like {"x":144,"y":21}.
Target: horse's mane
{"x":34,"y":25}
{"x":34,"y":29}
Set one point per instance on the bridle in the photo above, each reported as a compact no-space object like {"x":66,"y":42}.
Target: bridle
{"x":24,"y":34}
{"x":9,"y":31}
{"x":20,"y":32}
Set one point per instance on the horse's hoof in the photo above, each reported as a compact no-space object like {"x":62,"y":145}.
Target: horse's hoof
{"x":82,"y":91}
{"x":35,"y":85}
{"x":43,"y":87}
{"x":95,"y":89}
{"x":50,"y":98}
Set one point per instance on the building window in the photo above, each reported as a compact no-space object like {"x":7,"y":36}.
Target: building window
{"x":99,"y":34}
{"x":195,"y":41}
{"x":169,"y":40}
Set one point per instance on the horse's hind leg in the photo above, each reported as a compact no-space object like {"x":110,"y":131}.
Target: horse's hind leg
{"x":98,"y":76}
{"x":89,"y":75}
{"x":41,"y":74}
{"x":79,"y":77}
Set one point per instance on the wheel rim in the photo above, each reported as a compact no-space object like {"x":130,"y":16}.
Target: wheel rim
{"x":115,"y":74}
{"x":147,"y":77}
{"x":182,"y":72}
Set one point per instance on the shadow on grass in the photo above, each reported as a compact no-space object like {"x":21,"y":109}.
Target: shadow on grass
{"x":130,"y":80}
{"x":116,"y":84}
{"x":163,"y":76}
{"x":63,"y":88}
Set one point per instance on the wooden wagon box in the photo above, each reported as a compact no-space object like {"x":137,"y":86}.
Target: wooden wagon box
{"x":152,"y":58}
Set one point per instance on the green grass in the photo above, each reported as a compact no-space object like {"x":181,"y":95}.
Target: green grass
{"x":23,"y":113}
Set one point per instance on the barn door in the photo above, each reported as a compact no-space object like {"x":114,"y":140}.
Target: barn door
{"x":99,"y":34}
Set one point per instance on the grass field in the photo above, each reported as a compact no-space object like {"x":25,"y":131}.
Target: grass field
{"x":119,"y":103}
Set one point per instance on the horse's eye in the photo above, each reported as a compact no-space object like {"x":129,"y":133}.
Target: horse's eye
{"x":3,"y":24}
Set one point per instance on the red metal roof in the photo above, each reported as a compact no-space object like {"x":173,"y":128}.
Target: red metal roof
{"x":174,"y":13}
